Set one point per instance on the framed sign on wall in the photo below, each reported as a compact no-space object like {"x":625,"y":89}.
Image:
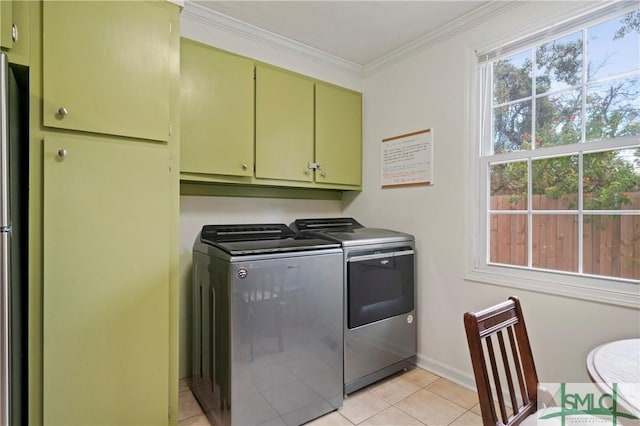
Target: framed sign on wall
{"x":407,"y":160}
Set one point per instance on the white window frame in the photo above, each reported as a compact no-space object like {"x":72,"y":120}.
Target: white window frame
{"x":621,"y":292}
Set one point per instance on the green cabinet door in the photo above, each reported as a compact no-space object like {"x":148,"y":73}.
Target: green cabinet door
{"x":6,"y":23}
{"x":17,"y":46}
{"x":217,"y":98}
{"x":106,"y":67}
{"x":106,"y":282}
{"x":284,"y":125}
{"x":338,"y":135}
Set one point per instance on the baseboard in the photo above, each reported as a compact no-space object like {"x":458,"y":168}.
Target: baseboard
{"x":459,"y":377}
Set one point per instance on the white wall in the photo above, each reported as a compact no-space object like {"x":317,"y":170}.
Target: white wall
{"x":427,"y":90}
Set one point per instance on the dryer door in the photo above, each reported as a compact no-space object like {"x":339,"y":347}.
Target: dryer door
{"x":379,"y":286}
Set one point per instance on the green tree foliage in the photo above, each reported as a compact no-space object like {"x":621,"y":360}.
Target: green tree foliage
{"x":561,"y":62}
{"x":630,"y":24}
{"x":612,"y":108}
{"x":608,"y":181}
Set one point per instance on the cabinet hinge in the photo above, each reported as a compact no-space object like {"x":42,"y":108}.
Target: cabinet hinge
{"x":169,"y":412}
{"x":170,"y":27}
{"x":170,"y":163}
{"x":170,"y":129}
{"x":254,"y":73}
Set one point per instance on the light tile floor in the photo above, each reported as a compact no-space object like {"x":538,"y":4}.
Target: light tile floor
{"x":415,"y":397}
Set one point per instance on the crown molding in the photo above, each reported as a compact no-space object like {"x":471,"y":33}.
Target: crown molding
{"x":177,"y":2}
{"x":204,"y":15}
{"x":476,"y":17}
{"x":209,"y":17}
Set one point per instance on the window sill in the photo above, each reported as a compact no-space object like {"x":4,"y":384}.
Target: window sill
{"x":602,"y":290}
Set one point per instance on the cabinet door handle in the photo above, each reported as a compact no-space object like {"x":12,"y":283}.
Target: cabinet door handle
{"x":245,"y":166}
{"x":306,"y":172}
{"x":62,"y":153}
{"x":14,"y":33}
{"x":63,"y":111}
{"x":323,"y":174}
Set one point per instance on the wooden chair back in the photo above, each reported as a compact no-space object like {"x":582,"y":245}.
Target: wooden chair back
{"x":502,"y":363}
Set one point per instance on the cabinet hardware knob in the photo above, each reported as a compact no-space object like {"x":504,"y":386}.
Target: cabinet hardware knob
{"x":323,"y":174}
{"x":62,"y":153}
{"x":14,"y":33}
{"x":63,"y":111}
{"x":306,"y":172}
{"x":245,"y":166}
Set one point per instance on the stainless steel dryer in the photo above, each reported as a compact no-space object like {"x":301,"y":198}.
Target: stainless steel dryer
{"x":267,"y":325}
{"x":379,"y":284}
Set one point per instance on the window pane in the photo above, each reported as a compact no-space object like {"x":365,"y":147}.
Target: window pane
{"x":508,"y":186}
{"x":508,"y":239}
{"x":613,"y":108}
{"x":555,"y":242}
{"x":550,"y":108}
{"x":555,"y":183}
{"x":512,"y":78}
{"x":512,"y":127}
{"x":558,"y":119}
{"x":559,"y":64}
{"x":611,"y":180}
{"x":613,"y":47}
{"x":611,"y":246}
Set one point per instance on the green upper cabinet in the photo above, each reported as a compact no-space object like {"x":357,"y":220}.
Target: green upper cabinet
{"x":6,"y":24}
{"x":106,"y":67}
{"x":255,"y":124}
{"x":338,"y":135}
{"x":14,"y":30}
{"x":217,"y":102}
{"x":284,"y":125}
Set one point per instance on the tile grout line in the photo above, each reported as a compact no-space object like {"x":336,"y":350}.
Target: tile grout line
{"x":416,"y":383}
{"x":409,"y":414}
{"x":200,"y":413}
{"x":425,"y":387}
{"x":454,"y":420}
{"x":421,"y":387}
{"x":448,"y":399}
{"x":451,"y":401}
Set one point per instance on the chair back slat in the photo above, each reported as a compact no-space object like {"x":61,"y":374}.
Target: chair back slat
{"x":496,"y":379}
{"x":528,"y":366}
{"x":507,"y":370}
{"x":517,"y":367}
{"x":506,"y":364}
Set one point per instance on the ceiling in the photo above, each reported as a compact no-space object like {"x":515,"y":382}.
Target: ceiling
{"x":356,"y":31}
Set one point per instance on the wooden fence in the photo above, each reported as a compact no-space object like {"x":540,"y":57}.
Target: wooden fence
{"x":611,"y":244}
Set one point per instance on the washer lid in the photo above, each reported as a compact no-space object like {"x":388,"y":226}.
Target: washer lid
{"x":260,"y":238}
{"x":336,"y":224}
{"x":348,"y":231}
{"x":368,"y":236}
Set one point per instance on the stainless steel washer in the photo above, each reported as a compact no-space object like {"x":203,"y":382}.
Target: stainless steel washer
{"x":379,"y":284}
{"x":267,"y":325}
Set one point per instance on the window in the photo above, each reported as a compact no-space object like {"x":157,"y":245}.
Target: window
{"x":559,"y":160}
